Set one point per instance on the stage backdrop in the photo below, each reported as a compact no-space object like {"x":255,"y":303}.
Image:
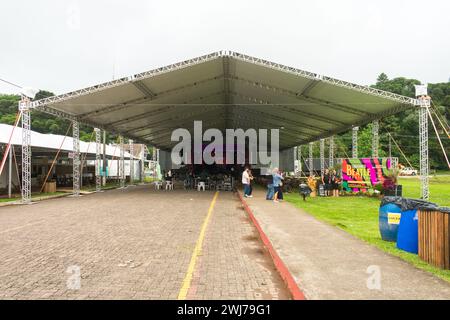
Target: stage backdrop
{"x":363,"y":173}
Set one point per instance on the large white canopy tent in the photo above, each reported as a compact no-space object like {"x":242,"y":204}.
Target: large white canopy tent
{"x":225,"y":90}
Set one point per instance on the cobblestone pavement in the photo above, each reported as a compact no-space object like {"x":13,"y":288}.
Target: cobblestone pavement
{"x":234,"y":264}
{"x":132,"y":244}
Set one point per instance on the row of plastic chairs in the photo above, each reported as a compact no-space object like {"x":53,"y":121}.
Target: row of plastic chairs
{"x":159,"y":185}
{"x":201,"y":186}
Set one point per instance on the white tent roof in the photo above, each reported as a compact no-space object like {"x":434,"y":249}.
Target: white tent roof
{"x":52,"y":141}
{"x":226,"y":90}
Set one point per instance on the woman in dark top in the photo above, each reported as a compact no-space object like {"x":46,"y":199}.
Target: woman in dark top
{"x":326,"y":181}
{"x":335,"y":184}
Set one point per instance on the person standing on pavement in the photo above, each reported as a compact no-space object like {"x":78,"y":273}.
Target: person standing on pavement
{"x":246,"y":183}
{"x":277,"y":184}
{"x":250,"y":174}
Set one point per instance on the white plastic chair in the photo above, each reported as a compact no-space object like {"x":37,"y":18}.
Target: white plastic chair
{"x":201,"y":185}
{"x":169,"y":185}
{"x":158,"y":185}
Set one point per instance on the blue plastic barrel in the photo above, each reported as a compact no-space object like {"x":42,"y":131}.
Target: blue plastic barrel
{"x":408,"y":232}
{"x":389,"y":219}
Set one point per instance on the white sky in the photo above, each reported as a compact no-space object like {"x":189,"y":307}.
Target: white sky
{"x":61,"y":46}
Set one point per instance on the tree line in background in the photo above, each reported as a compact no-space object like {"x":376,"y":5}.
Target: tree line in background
{"x":403,"y":126}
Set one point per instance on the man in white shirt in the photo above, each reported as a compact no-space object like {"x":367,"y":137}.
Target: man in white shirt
{"x":246,"y":183}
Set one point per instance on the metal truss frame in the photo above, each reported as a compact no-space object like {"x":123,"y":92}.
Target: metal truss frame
{"x":322,"y":157}
{"x":158,"y":111}
{"x":131,"y":151}
{"x":98,"y":160}
{"x":46,"y":104}
{"x":311,"y":159}
{"x":143,"y":158}
{"x":294,"y":95}
{"x":245,"y":122}
{"x":299,"y":158}
{"x":284,"y":121}
{"x":331,"y":152}
{"x":175,"y":125}
{"x":76,"y":158}
{"x":303,"y":97}
{"x":185,"y":116}
{"x":125,"y":80}
{"x":355,"y":142}
{"x":159,"y":135}
{"x":224,"y":54}
{"x":144,"y":89}
{"x":24,"y":108}
{"x":265,"y":102}
{"x":122,"y":163}
{"x":423,"y":146}
{"x":141,"y":101}
{"x":375,"y":138}
{"x":317,"y":77}
{"x":268,"y":121}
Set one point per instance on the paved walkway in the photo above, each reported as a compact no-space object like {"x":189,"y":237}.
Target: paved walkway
{"x":132,"y":244}
{"x":329,"y":263}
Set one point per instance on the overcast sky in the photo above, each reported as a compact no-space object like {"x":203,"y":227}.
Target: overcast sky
{"x":61,"y":46}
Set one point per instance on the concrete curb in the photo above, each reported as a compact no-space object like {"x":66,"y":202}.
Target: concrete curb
{"x":284,"y":272}
{"x":37,"y":199}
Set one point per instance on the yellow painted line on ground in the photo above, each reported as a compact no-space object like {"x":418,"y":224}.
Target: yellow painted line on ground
{"x":196,"y":253}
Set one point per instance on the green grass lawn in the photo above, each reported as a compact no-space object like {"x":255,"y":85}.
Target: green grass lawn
{"x":359,"y":216}
{"x":33,"y":196}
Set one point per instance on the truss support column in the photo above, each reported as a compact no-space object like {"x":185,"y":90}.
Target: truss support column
{"x":390,"y":149}
{"x":355,"y":142}
{"x":76,"y":158}
{"x":131,"y":144}
{"x":331,"y":154}
{"x":311,"y":159}
{"x":299,"y":158}
{"x":322,"y":157}
{"x":105,"y":161}
{"x":392,"y":161}
{"x":10,"y":173}
{"x":122,"y":163}
{"x":423,"y":145}
{"x":24,"y":107}
{"x":143,"y":157}
{"x":375,"y":138}
{"x":98,"y":159}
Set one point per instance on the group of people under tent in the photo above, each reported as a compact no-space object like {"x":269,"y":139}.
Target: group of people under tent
{"x":214,"y":177}
{"x":330,"y":180}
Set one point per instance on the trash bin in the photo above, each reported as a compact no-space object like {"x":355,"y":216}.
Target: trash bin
{"x":434,"y":237}
{"x":408,"y":229}
{"x":389,"y":218}
{"x":407,"y":237}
